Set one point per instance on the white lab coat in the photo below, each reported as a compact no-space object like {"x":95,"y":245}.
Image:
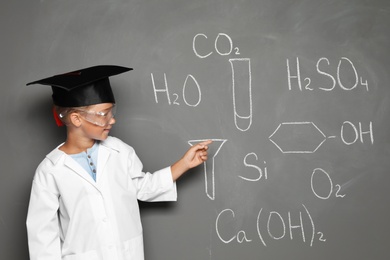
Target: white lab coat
{"x":72,"y":217}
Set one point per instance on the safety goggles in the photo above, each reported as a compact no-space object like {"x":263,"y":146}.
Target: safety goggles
{"x":99,"y":118}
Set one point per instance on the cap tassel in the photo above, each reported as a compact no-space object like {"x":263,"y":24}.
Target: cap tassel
{"x":57,"y":118}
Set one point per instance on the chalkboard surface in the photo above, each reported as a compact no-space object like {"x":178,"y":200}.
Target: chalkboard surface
{"x":295,"y":95}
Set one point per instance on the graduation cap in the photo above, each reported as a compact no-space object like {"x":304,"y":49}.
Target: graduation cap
{"x":83,"y":87}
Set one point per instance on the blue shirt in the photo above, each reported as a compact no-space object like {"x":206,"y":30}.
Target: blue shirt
{"x":88,"y":159}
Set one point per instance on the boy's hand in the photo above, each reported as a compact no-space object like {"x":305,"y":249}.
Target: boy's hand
{"x":194,"y":156}
{"x":197,"y":154}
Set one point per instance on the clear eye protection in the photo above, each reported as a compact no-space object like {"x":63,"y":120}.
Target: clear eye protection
{"x":99,"y":118}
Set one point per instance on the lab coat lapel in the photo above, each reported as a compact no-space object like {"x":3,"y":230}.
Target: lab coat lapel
{"x":79,"y":170}
{"x":103,"y":155}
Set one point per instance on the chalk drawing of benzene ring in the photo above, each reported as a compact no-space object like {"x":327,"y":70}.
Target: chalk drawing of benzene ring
{"x":307,"y":126}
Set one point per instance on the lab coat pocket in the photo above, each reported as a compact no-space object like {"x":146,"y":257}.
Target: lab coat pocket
{"x":134,"y":248}
{"x":90,"y":255}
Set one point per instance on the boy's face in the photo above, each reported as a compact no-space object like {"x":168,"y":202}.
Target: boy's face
{"x":98,"y":120}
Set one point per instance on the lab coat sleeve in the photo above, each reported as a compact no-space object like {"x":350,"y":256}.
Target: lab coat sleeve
{"x":42,"y":224}
{"x":158,"y":186}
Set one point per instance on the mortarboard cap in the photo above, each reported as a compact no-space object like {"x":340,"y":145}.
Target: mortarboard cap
{"x":83,"y":87}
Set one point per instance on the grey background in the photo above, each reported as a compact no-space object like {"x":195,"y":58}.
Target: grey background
{"x":43,"y":38}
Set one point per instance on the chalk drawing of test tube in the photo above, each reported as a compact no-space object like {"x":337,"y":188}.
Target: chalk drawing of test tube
{"x":242,"y":92}
{"x":209,"y":166}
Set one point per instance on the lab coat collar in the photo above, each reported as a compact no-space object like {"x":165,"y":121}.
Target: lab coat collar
{"x":55,"y":155}
{"x":105,"y":148}
{"x":58,"y":157}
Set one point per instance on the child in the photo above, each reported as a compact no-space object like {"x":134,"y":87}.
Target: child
{"x":83,"y":203}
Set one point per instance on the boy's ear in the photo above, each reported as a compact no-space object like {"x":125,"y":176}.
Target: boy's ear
{"x":75,"y":119}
